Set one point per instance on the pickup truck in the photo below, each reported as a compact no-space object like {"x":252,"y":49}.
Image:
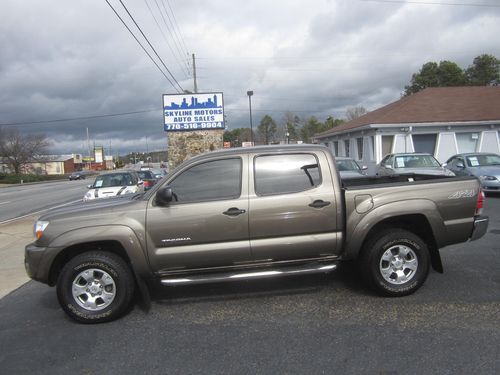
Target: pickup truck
{"x":251,"y":213}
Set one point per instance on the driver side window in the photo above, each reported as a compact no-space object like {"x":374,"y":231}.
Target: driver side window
{"x":213,"y":180}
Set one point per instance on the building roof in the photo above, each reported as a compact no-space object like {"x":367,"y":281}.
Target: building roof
{"x":435,"y":104}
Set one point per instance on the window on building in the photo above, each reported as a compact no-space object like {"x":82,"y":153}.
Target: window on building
{"x":387,"y":144}
{"x":359,"y":142}
{"x":424,"y":143}
{"x":346,"y":147}
{"x":214,"y":180}
{"x":282,"y":174}
{"x":467,"y":142}
{"x":336,"y":148}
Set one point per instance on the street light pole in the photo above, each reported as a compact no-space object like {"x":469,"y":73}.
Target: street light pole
{"x":250,"y":93}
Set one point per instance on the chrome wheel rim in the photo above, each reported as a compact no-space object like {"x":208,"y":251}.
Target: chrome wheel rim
{"x":398,"y":264}
{"x":93,"y":289}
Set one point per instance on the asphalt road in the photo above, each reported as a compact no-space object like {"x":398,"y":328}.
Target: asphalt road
{"x":20,"y":200}
{"x":303,"y":325}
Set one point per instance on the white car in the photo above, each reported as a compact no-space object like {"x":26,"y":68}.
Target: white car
{"x":114,"y":184}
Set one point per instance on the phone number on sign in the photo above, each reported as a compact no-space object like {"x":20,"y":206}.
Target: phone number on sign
{"x":194,"y":126}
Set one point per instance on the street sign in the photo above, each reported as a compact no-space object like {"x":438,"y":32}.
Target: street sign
{"x":189,"y":112}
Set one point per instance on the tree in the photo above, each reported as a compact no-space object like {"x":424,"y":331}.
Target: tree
{"x":19,"y":150}
{"x":484,"y":70}
{"x":311,"y":127}
{"x":291,"y":124}
{"x":447,"y":73}
{"x":267,"y":128}
{"x":355,"y":112}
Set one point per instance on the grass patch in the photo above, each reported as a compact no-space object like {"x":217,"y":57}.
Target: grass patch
{"x":11,"y":178}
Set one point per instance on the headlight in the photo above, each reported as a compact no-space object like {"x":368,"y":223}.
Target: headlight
{"x":39,"y":228}
{"x":488,"y":178}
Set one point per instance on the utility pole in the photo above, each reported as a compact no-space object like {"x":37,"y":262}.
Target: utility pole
{"x":194,"y":75}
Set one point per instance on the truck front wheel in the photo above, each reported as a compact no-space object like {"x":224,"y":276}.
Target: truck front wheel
{"x":95,"y":287}
{"x":395,"y":262}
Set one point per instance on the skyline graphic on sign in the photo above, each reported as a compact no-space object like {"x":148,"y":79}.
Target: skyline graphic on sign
{"x":195,"y":104}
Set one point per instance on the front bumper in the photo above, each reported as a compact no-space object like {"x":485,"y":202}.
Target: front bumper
{"x":33,"y":263}
{"x":480,"y":227}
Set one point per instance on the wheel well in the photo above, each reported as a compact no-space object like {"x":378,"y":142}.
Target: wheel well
{"x":417,"y":224}
{"x":70,"y":252}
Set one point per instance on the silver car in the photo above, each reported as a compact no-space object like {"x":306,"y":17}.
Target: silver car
{"x":484,"y":166}
{"x":348,"y":168}
{"x":418,"y":163}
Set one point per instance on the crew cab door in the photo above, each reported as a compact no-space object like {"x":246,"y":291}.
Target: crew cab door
{"x":206,"y":223}
{"x":293,"y":208}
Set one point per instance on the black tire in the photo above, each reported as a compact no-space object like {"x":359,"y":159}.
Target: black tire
{"x":395,"y":262}
{"x":95,"y":287}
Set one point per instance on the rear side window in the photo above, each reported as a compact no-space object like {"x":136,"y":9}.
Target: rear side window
{"x":281,"y":174}
{"x":213,"y":180}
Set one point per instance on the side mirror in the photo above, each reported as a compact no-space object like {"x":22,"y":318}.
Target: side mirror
{"x":460,"y":165}
{"x":364,"y":168}
{"x":140,"y":182}
{"x":164,"y":196}
{"x":89,"y":186}
{"x":388,"y":166}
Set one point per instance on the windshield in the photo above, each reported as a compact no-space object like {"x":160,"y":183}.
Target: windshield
{"x":116,"y":179}
{"x":483,"y":160}
{"x":146,"y":175}
{"x":347,"y":165}
{"x":416,"y":161}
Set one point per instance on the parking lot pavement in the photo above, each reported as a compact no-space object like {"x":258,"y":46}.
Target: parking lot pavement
{"x":14,"y":236}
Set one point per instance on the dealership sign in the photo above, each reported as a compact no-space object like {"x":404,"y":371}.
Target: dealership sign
{"x":188,"y":112}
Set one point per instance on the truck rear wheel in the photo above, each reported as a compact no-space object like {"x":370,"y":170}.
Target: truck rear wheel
{"x":395,"y":262}
{"x":95,"y":287}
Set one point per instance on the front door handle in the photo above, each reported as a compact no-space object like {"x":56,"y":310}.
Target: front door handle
{"x":234,"y":211}
{"x":319,"y":204}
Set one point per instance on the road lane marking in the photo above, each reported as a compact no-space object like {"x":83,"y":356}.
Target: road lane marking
{"x":37,"y":212}
{"x":5,"y":202}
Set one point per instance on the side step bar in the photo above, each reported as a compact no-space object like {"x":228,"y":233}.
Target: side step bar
{"x":257,"y":274}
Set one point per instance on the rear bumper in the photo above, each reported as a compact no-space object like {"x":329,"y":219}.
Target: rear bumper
{"x":480,"y":227}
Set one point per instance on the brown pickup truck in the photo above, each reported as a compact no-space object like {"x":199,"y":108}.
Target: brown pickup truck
{"x":251,"y":213}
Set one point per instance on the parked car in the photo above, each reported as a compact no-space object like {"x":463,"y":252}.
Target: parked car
{"x":114,"y":184}
{"x":418,"y":163}
{"x":483,"y":165}
{"x":247,"y":213}
{"x":147,"y":177}
{"x":79,"y":175}
{"x":348,"y":168}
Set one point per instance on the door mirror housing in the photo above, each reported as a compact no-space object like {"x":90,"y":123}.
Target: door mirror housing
{"x":460,"y":165}
{"x":164,"y":196}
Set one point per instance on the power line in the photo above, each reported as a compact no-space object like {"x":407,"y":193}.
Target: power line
{"x":178,"y":28}
{"x":176,"y":39}
{"x":137,"y":40}
{"x":79,"y":118}
{"x":166,"y":40}
{"x":147,"y":40}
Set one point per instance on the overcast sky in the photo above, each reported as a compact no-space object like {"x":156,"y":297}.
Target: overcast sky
{"x":63,"y":59}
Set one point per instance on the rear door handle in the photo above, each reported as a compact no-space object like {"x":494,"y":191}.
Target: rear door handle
{"x":234,"y":211}
{"x":319,"y":204}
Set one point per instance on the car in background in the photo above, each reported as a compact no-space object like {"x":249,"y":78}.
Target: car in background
{"x":485,"y":166}
{"x":114,"y":184}
{"x":77,"y":175}
{"x":405,"y":163}
{"x":147,"y":177}
{"x":348,"y":168}
{"x":159,"y":173}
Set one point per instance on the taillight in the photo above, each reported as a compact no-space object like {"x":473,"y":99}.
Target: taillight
{"x":480,"y":203}
{"x":147,"y":184}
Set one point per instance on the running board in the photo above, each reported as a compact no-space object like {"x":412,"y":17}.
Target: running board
{"x":233,"y":276}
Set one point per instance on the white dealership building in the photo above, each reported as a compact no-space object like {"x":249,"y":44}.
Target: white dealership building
{"x":442,"y":121}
